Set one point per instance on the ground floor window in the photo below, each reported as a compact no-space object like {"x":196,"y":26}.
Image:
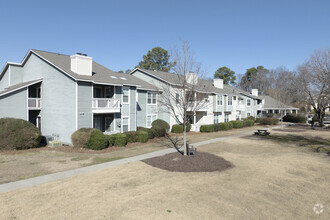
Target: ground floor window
{"x":216,"y":118}
{"x":150,"y":119}
{"x":227,"y":117}
{"x":248,"y":114}
{"x":125,"y":124}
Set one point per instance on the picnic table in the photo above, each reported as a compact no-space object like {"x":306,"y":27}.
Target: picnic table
{"x":262,"y":132}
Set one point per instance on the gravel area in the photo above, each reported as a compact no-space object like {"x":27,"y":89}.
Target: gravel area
{"x":200,"y":162}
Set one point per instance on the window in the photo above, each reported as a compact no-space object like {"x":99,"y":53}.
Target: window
{"x":97,"y":92}
{"x":177,"y":98}
{"x":248,"y":114}
{"x":227,"y":117}
{"x":108,"y":92}
{"x":123,"y":78}
{"x":230,"y":100}
{"x":152,"y":98}
{"x":219,"y":99}
{"x":150,"y":119}
{"x":216,"y":118}
{"x":125,"y":94}
{"x":248,"y":102}
{"x":125,"y":124}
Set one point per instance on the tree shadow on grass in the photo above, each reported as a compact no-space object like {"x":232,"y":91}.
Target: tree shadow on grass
{"x":316,"y":143}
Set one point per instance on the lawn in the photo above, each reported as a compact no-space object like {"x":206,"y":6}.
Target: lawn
{"x":270,"y":180}
{"x":17,"y":165}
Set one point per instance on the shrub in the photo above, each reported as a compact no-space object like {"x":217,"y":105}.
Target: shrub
{"x":268,"y":121}
{"x":237,"y":124}
{"x":207,"y":128}
{"x":248,"y":122}
{"x":148,"y":130}
{"x":120,"y":139}
{"x":18,"y":134}
{"x":177,"y":129}
{"x":250,"y":118}
{"x":159,"y":123}
{"x":158,"y":132}
{"x":97,"y":141}
{"x":80,"y":137}
{"x":142,"y":136}
{"x":225,"y":126}
{"x":111,"y":139}
{"x":217,"y":127}
{"x":131,"y":136}
{"x":295,"y":118}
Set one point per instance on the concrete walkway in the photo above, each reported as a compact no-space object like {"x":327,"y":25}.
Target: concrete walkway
{"x":6,"y":187}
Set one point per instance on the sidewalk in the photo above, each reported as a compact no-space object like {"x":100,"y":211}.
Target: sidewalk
{"x":6,"y":187}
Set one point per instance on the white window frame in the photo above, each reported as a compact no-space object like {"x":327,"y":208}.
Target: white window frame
{"x":101,"y":91}
{"x":128,"y":89}
{"x":122,"y":123}
{"x":151,"y":115}
{"x":248,"y":102}
{"x":226,"y":119}
{"x":230,"y":98}
{"x":219,"y":100}
{"x":177,"y":98}
{"x":215,"y":118}
{"x":152,"y":94}
{"x":248,"y":114}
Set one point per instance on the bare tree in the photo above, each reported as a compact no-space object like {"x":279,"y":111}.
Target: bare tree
{"x":188,"y":93}
{"x":314,"y":77}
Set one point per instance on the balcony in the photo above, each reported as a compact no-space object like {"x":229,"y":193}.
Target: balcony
{"x":199,"y":106}
{"x":34,"y":103}
{"x":103,"y":105}
{"x":240,"y":107}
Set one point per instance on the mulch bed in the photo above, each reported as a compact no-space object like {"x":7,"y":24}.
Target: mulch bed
{"x":200,"y":162}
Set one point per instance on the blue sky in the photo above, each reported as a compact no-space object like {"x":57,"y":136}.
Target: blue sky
{"x":236,"y":34}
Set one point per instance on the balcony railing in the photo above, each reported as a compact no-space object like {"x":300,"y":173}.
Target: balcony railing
{"x":103,"y":105}
{"x":240,"y":107}
{"x":34,"y":103}
{"x":199,"y":106}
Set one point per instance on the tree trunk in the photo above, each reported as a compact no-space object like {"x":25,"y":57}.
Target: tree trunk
{"x":184,"y":134}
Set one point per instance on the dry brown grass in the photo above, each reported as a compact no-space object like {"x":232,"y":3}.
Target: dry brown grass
{"x":270,"y":180}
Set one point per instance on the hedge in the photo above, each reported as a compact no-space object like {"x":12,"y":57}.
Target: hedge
{"x":111,"y":139}
{"x":295,"y":118}
{"x":159,"y":123}
{"x":268,"y":121}
{"x":237,"y":124}
{"x":177,"y":129}
{"x":250,"y":118}
{"x":207,"y":128}
{"x":97,"y":141}
{"x":158,"y":132}
{"x":18,"y":134}
{"x":148,"y":130}
{"x":248,"y":122}
{"x":224,"y":126}
{"x":131,"y":136}
{"x":142,"y":136}
{"x":80,"y":137}
{"x":120,"y":139}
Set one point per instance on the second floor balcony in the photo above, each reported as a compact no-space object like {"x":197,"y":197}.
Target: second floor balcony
{"x":105,"y":105}
{"x":34,"y":103}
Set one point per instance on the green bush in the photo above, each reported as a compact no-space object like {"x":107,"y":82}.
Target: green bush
{"x":159,"y":123}
{"x":207,"y":128}
{"x":97,"y":141}
{"x":18,"y":134}
{"x":248,"y":122}
{"x":295,"y":118}
{"x":80,"y":137}
{"x":131,"y":136}
{"x":250,"y":118}
{"x":120,"y":139}
{"x":148,"y":130}
{"x":237,"y":124}
{"x":224,"y":126}
{"x":111,"y":139}
{"x":268,"y":121}
{"x":142,"y":136}
{"x":217,"y":127}
{"x":177,"y":129}
{"x":158,"y":132}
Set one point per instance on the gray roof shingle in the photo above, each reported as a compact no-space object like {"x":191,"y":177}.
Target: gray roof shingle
{"x":271,"y":103}
{"x":101,"y":74}
{"x":18,"y":86}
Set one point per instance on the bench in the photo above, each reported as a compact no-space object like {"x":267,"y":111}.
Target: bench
{"x":262,"y":132}
{"x":191,"y":149}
